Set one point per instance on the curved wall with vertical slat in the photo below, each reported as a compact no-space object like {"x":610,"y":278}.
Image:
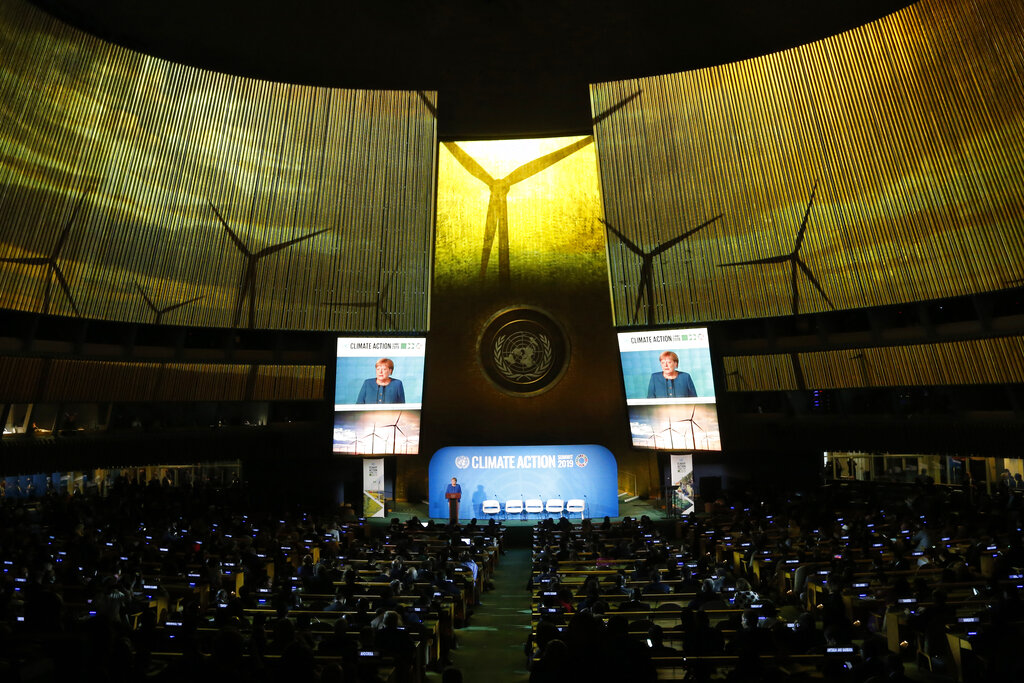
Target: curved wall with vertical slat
{"x":134,"y":189}
{"x":887,"y":159}
{"x":999,"y":360}
{"x":32,"y":379}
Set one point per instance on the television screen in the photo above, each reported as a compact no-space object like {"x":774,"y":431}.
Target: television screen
{"x":378,"y":393}
{"x":670,"y":389}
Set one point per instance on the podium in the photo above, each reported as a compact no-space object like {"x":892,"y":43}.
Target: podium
{"x":453,"y":507}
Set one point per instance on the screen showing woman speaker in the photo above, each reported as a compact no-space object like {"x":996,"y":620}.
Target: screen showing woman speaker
{"x":670,"y":390}
{"x":378,"y":393}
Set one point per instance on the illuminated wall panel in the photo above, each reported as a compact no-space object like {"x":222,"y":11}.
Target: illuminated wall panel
{"x":139,"y":190}
{"x":83,"y":380}
{"x":518,"y":216}
{"x":973,"y":361}
{"x":19,"y":378}
{"x":875,"y":167}
{"x":773,"y":372}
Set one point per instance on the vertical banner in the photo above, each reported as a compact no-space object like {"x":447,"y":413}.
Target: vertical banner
{"x":373,"y":487}
{"x":681,"y":479}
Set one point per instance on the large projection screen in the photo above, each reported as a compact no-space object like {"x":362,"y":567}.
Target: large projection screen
{"x":677,"y":413}
{"x":378,"y":394}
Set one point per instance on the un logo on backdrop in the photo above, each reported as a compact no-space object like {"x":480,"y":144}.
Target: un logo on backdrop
{"x":523,"y":351}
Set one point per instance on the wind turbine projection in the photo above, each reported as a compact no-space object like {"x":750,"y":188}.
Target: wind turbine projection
{"x":645,"y":284}
{"x":166,"y":309}
{"x":248,"y":286}
{"x":497,"y":207}
{"x":53,"y":270}
{"x":793,"y":258}
{"x":377,"y":304}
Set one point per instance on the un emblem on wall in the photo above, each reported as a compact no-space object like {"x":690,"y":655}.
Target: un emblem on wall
{"x":523,"y":351}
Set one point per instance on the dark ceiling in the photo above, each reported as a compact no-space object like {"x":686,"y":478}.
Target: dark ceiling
{"x":503,"y":68}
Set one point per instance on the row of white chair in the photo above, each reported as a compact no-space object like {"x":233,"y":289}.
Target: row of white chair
{"x":536,"y":506}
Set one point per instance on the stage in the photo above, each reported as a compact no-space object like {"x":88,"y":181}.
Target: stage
{"x":405,"y":510}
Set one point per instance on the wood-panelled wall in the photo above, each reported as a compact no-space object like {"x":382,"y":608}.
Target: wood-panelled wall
{"x":30,"y":380}
{"x":976,"y":361}
{"x":898,"y":146}
{"x":134,"y":189}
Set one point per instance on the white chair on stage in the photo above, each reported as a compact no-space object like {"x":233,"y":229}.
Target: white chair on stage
{"x":513,"y":507}
{"x":555,"y":506}
{"x":491,"y":507}
{"x":574,"y":505}
{"x":534,"y":506}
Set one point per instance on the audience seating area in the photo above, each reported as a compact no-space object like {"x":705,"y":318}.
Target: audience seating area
{"x":849,"y":583}
{"x":162,"y":583}
{"x":852,"y":583}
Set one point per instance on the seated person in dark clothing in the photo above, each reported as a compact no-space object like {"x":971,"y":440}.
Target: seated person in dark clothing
{"x":640,"y":571}
{"x":706,"y":595}
{"x":393,"y":640}
{"x":446,"y":585}
{"x":750,"y":639}
{"x":634,"y":604}
{"x":626,"y":659}
{"x":352,"y":584}
{"x":592,"y":598}
{"x":806,"y":638}
{"x":655,"y":640}
{"x":381,"y":575}
{"x":702,"y":638}
{"x":656,"y":587}
{"x":337,"y":644}
{"x":617,"y":587}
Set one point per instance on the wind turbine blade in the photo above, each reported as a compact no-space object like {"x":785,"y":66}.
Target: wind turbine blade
{"x":796,"y":289}
{"x":782,"y":258}
{"x":67,"y":290}
{"x":149,"y":301}
{"x":27,"y":260}
{"x":47,"y":289}
{"x":283,"y":245}
{"x":537,"y":165}
{"x":814,"y":281}
{"x":625,"y":240}
{"x":430,"y":105}
{"x":807,"y":213}
{"x":231,"y":233}
{"x":183,"y":303}
{"x":490,"y":227}
{"x":470,"y":164}
{"x":641,"y":288}
{"x":67,"y":226}
{"x":676,"y":240}
{"x":601,"y":117}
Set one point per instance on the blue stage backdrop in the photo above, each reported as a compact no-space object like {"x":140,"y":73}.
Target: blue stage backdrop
{"x":519,"y":473}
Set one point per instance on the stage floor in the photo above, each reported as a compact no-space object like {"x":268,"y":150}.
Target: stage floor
{"x":405,"y":510}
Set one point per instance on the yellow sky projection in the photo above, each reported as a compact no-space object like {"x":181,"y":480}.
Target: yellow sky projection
{"x":554,"y":235}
